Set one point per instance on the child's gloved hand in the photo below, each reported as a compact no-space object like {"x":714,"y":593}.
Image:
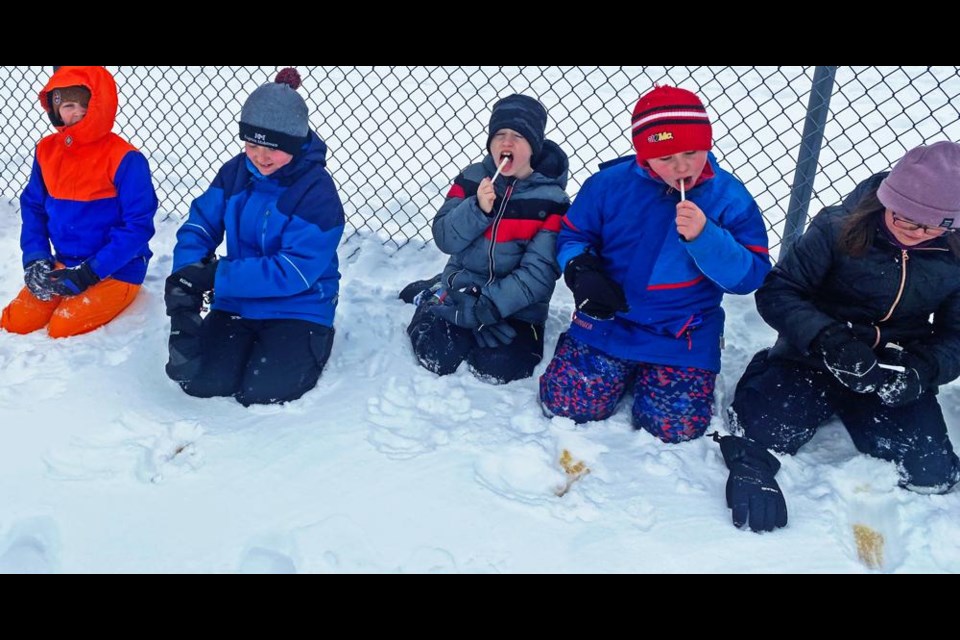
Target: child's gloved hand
{"x":73,"y":280}
{"x":36,"y":276}
{"x":184,"y":288}
{"x":903,"y":387}
{"x":468,"y":309}
{"x":595,"y":293}
{"x":900,"y":388}
{"x":491,"y":336}
{"x":851,"y":361}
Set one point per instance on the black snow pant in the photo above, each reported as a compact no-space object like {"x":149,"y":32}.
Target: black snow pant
{"x":441,"y":347}
{"x":780,"y":404}
{"x":259,"y":361}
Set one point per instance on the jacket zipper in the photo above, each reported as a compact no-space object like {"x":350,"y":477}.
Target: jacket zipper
{"x":496,"y":225}
{"x":903,"y":282}
{"x":263,"y":234}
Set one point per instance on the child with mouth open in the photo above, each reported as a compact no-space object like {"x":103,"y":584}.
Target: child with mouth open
{"x":499,"y":225}
{"x":648,"y":249}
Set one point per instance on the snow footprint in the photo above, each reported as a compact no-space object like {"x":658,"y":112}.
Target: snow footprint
{"x":410,"y":419}
{"x":152,"y":451}
{"x":171,"y":453}
{"x":260,"y":560}
{"x":336,"y":545}
{"x":35,"y":373}
{"x":430,"y":560}
{"x":30,"y":547}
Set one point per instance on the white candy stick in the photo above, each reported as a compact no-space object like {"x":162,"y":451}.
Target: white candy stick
{"x":683,"y":193}
{"x":499,"y":169}
{"x":892,"y":367}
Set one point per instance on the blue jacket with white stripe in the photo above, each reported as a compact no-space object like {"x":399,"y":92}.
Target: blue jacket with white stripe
{"x":282,"y":234}
{"x":627,"y":216}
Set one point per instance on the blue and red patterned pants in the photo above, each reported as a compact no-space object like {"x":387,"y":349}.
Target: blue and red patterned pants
{"x":584,"y":383}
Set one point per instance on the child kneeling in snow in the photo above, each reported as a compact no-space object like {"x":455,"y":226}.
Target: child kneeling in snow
{"x":499,"y":224}
{"x":648,"y":248}
{"x":270,"y":329}
{"x":867,"y":305}
{"x":91,"y":197}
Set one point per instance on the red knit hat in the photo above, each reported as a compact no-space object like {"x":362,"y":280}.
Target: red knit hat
{"x":669,"y":120}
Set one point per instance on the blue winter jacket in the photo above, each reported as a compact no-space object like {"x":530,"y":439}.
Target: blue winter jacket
{"x":282,"y":234}
{"x":627,"y":216}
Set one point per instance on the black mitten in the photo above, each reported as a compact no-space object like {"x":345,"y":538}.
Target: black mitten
{"x":851,"y":361}
{"x":594,"y":292}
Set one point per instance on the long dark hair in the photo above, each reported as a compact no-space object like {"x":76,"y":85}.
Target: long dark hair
{"x":860,"y":228}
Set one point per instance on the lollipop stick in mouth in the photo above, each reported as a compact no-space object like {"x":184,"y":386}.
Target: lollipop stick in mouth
{"x":683,"y":193}
{"x":499,"y":169}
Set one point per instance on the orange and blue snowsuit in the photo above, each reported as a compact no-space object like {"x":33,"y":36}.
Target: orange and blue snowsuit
{"x":91,"y":197}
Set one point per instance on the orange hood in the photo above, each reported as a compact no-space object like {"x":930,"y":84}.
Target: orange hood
{"x":102,"y":110}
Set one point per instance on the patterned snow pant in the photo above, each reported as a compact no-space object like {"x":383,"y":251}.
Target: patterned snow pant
{"x":584,"y":383}
{"x":780,"y":404}
{"x":441,"y":347}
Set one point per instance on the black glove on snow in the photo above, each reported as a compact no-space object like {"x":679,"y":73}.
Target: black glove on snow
{"x":73,"y":280}
{"x":851,"y":361}
{"x":752,"y":492}
{"x":594,"y":292}
{"x":36,"y":277}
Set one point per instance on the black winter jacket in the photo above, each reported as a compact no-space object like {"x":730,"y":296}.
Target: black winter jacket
{"x":912,"y":296}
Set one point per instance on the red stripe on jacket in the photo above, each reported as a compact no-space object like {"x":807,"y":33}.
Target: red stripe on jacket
{"x":456,"y":191}
{"x":510,"y":230}
{"x":675,"y":285}
{"x":566,"y":221}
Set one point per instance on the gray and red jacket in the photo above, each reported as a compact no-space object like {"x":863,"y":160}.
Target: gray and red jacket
{"x":512,"y":253}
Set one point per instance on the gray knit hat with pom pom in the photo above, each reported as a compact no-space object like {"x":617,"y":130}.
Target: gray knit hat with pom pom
{"x":275,"y":115}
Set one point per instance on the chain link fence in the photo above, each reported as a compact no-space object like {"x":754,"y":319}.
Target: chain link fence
{"x":399,"y":135}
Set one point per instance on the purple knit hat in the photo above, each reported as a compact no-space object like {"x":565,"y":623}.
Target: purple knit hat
{"x":925,"y":185}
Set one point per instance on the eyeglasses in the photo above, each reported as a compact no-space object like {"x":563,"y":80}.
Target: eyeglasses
{"x":906,"y":225}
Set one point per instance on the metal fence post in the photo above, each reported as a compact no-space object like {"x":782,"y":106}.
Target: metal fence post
{"x":810,"y":145}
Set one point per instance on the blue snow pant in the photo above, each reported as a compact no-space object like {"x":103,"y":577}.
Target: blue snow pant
{"x":584,"y":383}
{"x":441,"y":347}
{"x":259,"y":361}
{"x":780,"y":404}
